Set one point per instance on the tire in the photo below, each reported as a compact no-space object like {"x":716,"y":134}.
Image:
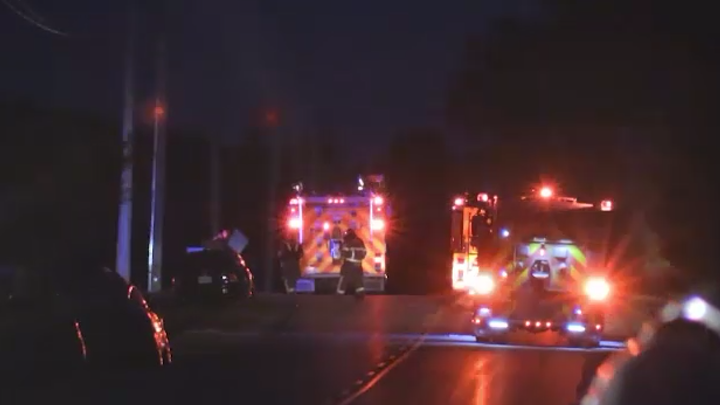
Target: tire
{"x":584,"y":342}
{"x":500,"y":340}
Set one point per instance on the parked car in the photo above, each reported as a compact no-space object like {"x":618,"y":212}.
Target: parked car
{"x":211,"y":275}
{"x":53,"y":327}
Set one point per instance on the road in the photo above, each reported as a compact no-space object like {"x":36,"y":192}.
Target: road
{"x":387,"y":350}
{"x":388,"y":314}
{"x":225,"y":368}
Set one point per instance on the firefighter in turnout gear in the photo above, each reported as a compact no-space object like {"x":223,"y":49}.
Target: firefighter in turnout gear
{"x":290,"y":254}
{"x":351,"y":272}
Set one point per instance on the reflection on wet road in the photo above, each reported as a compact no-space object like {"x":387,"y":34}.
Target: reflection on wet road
{"x":502,"y":376}
{"x":217,"y":368}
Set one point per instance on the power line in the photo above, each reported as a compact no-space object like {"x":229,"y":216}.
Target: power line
{"x":32,"y":17}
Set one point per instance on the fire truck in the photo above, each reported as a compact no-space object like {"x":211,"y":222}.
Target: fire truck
{"x":473,"y":227}
{"x":319,"y":223}
{"x":535,"y":263}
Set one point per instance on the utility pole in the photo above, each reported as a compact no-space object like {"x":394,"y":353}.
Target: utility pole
{"x":157,"y":213}
{"x":271,"y":121}
{"x":215,"y":210}
{"x":124,"y":231}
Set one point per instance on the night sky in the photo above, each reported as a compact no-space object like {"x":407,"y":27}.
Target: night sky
{"x":363,"y":68}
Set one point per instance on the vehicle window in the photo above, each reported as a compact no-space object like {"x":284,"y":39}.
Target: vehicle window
{"x":210,"y":261}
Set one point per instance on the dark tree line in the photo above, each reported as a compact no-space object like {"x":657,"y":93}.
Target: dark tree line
{"x":610,"y":98}
{"x":60,"y":189}
{"x":620,"y":92}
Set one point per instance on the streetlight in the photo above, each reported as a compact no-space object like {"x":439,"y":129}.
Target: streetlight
{"x":271,"y":120}
{"x":157,"y":207}
{"x":125,"y":211}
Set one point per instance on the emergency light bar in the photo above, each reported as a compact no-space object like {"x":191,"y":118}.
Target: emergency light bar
{"x":294,"y":223}
{"x":546,"y":192}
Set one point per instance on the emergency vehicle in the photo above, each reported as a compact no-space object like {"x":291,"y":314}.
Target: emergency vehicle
{"x":472,"y":227}
{"x":319,"y":223}
{"x":551,"y":257}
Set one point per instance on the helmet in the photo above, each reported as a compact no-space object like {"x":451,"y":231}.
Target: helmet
{"x":350,"y":234}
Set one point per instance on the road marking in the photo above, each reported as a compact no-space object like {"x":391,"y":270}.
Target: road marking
{"x":513,"y":347}
{"x":393,"y":361}
{"x":371,"y":383}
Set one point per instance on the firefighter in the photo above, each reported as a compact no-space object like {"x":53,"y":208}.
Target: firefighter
{"x":290,"y":254}
{"x":351,"y":272}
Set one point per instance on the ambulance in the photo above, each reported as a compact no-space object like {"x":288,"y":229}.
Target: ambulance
{"x":319,"y":221}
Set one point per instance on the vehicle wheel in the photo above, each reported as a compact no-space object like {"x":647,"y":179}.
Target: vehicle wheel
{"x":591,"y":343}
{"x":500,"y":340}
{"x":575,"y":342}
{"x":584,"y":342}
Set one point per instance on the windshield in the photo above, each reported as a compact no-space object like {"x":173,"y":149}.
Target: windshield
{"x":210,"y":261}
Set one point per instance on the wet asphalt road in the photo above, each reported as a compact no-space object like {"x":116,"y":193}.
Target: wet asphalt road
{"x":354,"y":369}
{"x":219,"y":368}
{"x":341,"y":365}
{"x":502,"y":376}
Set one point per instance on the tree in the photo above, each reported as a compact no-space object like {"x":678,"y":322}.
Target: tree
{"x":420,"y":188}
{"x":606,"y":76}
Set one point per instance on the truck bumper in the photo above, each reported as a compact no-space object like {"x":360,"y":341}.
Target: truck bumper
{"x":575,"y":330}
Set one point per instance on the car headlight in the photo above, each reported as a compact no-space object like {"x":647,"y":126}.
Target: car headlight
{"x":483,"y":284}
{"x":597,"y":289}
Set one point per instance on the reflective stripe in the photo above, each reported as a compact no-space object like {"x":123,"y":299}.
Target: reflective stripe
{"x":339,"y":286}
{"x":360,"y":289}
{"x":351,"y":260}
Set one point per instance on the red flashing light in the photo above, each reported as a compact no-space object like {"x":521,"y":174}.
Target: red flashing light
{"x":606,"y":205}
{"x":293,"y":201}
{"x":483,"y":197}
{"x":459,"y":201}
{"x":546,"y":192}
{"x":378,"y":200}
{"x":377,"y":224}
